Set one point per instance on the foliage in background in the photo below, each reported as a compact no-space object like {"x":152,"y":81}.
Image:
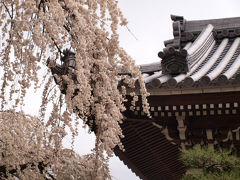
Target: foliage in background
{"x":32,"y":31}
{"x":208,"y":163}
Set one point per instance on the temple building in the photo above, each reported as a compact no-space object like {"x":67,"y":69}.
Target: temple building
{"x":194,"y":98}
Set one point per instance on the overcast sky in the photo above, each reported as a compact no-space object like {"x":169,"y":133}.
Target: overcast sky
{"x":149,"y":21}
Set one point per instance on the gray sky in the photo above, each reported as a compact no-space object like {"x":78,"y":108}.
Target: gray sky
{"x":149,"y":21}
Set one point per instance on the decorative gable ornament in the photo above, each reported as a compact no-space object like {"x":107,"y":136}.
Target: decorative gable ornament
{"x":174,"y":61}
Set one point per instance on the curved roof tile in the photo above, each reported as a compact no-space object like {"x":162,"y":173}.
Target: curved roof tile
{"x":220,"y":67}
{"x":207,"y":66}
{"x":230,"y":72}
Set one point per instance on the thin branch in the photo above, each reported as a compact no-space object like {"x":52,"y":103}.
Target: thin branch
{"x":50,"y":90}
{"x":131,"y":33}
{"x":7,"y":10}
{"x":12,"y":9}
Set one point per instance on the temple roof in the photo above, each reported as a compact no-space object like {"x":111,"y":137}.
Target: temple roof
{"x":202,"y":53}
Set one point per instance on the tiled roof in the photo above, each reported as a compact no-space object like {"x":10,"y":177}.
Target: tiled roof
{"x":202,"y":54}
